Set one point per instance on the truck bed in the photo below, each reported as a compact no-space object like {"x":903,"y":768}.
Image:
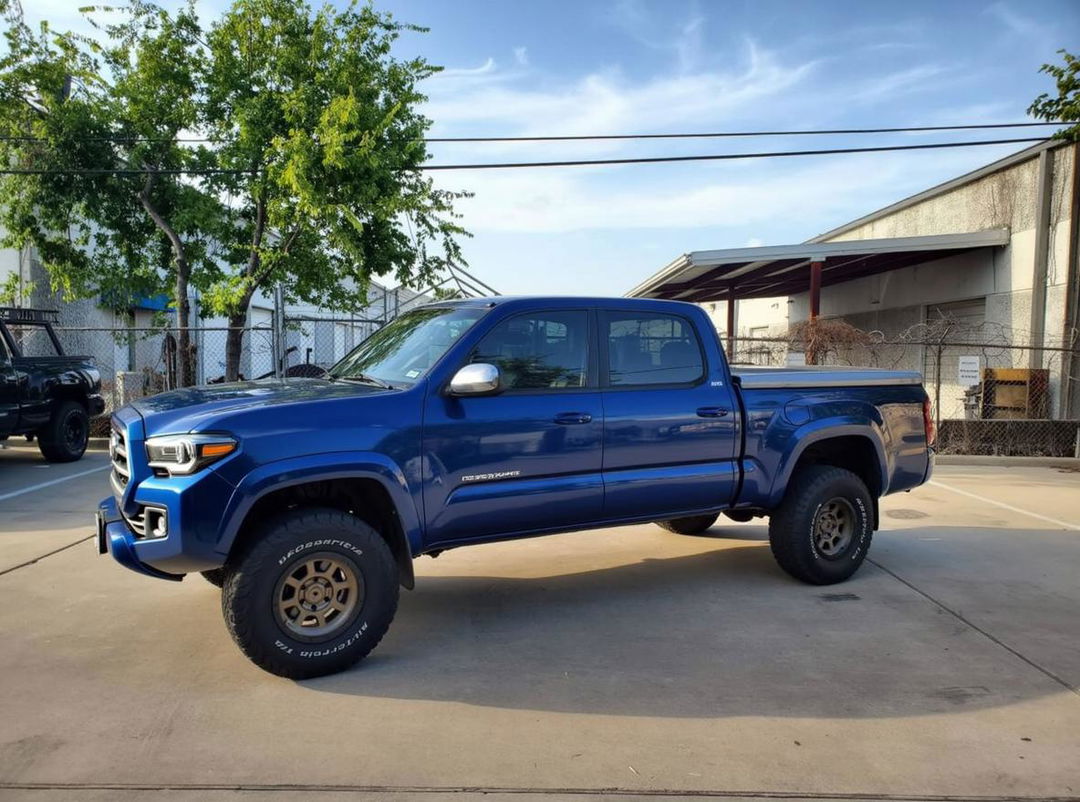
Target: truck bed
{"x":752,"y":377}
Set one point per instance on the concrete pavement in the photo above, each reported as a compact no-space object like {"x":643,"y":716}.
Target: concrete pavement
{"x":614,"y":662}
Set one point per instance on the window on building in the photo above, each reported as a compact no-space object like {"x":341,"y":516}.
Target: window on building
{"x":538,"y":351}
{"x":646,"y":349}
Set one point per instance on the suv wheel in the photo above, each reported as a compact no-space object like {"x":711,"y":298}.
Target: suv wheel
{"x":65,"y":436}
{"x":314,"y":594}
{"x":822,"y":529}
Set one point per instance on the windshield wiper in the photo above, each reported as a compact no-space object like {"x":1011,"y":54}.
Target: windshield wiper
{"x":363,"y":378}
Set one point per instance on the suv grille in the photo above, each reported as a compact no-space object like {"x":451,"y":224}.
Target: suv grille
{"x":121,"y":469}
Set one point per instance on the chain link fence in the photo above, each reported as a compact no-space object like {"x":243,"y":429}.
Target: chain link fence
{"x":992,"y":391}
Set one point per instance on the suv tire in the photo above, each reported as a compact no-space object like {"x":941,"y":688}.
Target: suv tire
{"x":821,"y":532}
{"x":313,"y":594}
{"x":65,"y":437}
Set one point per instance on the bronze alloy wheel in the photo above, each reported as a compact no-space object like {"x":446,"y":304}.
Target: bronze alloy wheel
{"x":318,"y":595}
{"x":834,"y":527}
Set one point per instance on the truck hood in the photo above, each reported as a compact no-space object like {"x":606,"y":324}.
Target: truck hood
{"x":185,"y":410}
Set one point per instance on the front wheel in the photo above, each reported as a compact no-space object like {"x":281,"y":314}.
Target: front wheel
{"x":65,"y":437}
{"x":822,"y":530}
{"x":314,"y":594}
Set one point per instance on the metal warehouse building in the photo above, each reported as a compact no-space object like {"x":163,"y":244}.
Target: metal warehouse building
{"x":973,"y":281}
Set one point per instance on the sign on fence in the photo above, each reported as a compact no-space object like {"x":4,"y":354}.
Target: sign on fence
{"x":969,"y":371}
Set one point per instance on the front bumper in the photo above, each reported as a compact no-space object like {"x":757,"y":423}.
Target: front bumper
{"x":114,"y":537}
{"x":189,"y":507}
{"x":95,"y":404}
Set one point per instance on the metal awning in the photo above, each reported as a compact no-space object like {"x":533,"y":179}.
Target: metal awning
{"x":774,"y":270}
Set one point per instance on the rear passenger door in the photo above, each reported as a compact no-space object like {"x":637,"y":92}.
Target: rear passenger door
{"x":670,"y":419}
{"x":529,"y":457}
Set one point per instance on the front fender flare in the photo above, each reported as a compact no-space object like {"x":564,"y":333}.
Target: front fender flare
{"x":279,"y":474}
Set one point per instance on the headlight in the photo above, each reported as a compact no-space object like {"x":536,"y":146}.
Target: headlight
{"x":181,"y":454}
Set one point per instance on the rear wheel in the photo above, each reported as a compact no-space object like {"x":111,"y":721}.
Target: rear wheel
{"x":64,"y":438}
{"x":822,"y":530}
{"x":313,"y":595}
{"x":694,"y":525}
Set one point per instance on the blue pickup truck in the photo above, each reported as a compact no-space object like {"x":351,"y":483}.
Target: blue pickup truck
{"x":307,"y":500}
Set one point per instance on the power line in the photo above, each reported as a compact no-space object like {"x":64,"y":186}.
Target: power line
{"x":725,"y":156}
{"x":594,"y":137}
{"x":719,"y":134}
{"x":566,"y":163}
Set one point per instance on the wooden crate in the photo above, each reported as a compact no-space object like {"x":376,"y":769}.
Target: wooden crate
{"x":1015,"y":393}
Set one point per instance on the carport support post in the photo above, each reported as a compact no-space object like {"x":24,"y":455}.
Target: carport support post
{"x":815,"y":310}
{"x":731,"y":327}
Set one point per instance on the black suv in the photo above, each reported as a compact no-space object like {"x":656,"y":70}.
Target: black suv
{"x":43,"y":392}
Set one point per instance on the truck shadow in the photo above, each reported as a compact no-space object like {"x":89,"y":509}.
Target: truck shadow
{"x":714,"y":634}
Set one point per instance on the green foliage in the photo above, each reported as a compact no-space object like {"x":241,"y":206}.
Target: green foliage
{"x":13,"y":291}
{"x":1066,"y":105}
{"x":314,"y":140}
{"x":326,"y":120}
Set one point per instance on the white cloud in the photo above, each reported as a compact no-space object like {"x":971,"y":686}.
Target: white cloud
{"x":755,"y":193}
{"x":486,"y":98}
{"x":521,"y":56}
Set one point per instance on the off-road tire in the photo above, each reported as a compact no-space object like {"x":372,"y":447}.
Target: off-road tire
{"x":215,"y":576}
{"x":251,"y":595}
{"x":793,"y":535}
{"x":694,"y":525}
{"x":65,"y":437}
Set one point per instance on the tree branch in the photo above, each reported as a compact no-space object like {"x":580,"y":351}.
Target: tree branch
{"x":159,"y":221}
{"x":254,"y":258}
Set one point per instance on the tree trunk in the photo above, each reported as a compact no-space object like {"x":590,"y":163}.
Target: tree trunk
{"x":234,"y":345}
{"x":185,"y":353}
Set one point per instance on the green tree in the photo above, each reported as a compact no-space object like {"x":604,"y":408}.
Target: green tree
{"x":1065,"y":106}
{"x":321,"y":125}
{"x":97,"y":119}
{"x":308,"y":176}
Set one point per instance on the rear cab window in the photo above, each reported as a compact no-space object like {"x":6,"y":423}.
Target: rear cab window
{"x":649,"y":349}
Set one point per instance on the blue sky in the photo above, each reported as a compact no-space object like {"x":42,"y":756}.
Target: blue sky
{"x":612,"y":66}
{"x":516,"y":67}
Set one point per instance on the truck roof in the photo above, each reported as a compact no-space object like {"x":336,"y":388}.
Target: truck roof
{"x":565,"y":301}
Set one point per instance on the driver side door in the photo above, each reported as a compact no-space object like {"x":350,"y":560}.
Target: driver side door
{"x":528,"y":458}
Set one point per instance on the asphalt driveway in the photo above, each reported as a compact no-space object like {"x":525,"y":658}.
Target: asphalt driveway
{"x":619,"y":662}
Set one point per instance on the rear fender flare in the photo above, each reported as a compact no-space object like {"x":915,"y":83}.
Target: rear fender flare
{"x":827,"y":429}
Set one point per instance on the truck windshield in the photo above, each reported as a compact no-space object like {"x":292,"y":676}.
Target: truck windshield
{"x":401,"y":352}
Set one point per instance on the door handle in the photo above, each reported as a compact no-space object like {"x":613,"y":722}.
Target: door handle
{"x":712,"y":412}
{"x":568,"y":418}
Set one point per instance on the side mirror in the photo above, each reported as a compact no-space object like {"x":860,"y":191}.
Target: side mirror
{"x":479,"y":378}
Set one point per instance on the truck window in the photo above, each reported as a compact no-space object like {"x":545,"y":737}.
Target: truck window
{"x":648,"y":348}
{"x":405,"y":349}
{"x":538,"y":350}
